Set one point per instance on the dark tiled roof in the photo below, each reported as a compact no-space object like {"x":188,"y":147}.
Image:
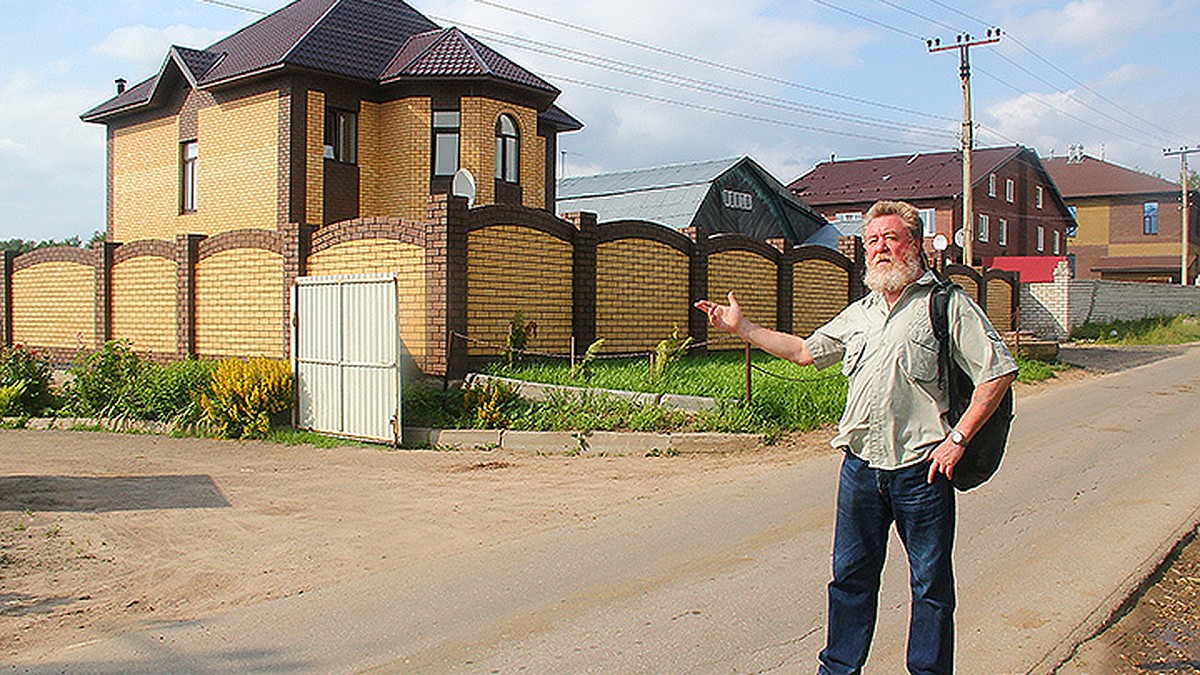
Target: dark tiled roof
{"x":452,"y":53}
{"x":1091,"y":177}
{"x":561,"y":119}
{"x":916,"y":176}
{"x":361,"y":39}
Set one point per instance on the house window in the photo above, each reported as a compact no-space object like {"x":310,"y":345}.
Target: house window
{"x":1073,"y":227}
{"x":983,"y":227}
{"x":446,"y":125}
{"x":188,"y":157}
{"x":848,"y":216}
{"x":341,"y":136}
{"x":732,"y":199}
{"x":991,"y":185}
{"x":1150,"y":218}
{"x":508,"y":145}
{"x":1002,"y":233}
{"x":1041,"y":238}
{"x":929,"y":217}
{"x":1008,"y":190}
{"x":1038,"y":192}
{"x":1057,"y":250}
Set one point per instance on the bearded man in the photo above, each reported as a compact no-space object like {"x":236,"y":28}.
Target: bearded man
{"x":899,"y":450}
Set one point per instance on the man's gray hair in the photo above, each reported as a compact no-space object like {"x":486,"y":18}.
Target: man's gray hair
{"x":907,"y":212}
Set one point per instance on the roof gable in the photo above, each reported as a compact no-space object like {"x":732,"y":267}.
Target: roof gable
{"x":370,"y":40}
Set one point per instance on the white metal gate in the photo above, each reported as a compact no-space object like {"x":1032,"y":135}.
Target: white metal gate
{"x":346,"y":355}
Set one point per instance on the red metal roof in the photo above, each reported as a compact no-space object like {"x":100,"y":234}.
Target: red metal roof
{"x":1033,"y":268}
{"x":915,"y":176}
{"x":1091,"y":177}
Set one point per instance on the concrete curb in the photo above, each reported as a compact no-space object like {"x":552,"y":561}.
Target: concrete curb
{"x":589,"y":443}
{"x":535,"y":391}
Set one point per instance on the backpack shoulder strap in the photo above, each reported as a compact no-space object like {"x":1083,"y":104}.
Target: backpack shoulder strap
{"x":939,"y":301}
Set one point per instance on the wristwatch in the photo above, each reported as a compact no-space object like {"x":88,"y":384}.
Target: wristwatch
{"x":957,"y":437}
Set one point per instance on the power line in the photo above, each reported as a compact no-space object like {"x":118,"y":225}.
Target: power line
{"x":230,"y":5}
{"x":731,"y":113}
{"x":713,"y":64}
{"x":696,"y":84}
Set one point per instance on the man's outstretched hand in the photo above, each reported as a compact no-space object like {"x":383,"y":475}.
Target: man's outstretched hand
{"x":728,"y":318}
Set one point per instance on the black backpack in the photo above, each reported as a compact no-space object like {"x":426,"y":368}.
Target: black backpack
{"x":986,"y":448}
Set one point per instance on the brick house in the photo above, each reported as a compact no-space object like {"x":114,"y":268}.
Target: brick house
{"x":1129,"y":222}
{"x":1017,"y":208}
{"x":323,"y":111}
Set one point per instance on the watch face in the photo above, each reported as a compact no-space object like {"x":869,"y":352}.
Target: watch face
{"x":956,"y":436}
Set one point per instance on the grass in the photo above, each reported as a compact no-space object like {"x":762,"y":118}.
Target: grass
{"x":1154,"y":331}
{"x":1033,"y":370}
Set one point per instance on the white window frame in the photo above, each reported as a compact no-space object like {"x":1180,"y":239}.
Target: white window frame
{"x":189,"y":160}
{"x":1057,"y":249}
{"x":983,"y":227}
{"x":991,"y":185}
{"x":1009,"y":190}
{"x":929,"y":218}
{"x":1002,"y":234}
{"x":447,"y":142}
{"x":1041,"y":238}
{"x":1039,"y":196}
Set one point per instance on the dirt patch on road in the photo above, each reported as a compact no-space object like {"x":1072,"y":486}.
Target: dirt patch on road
{"x":101,"y":531}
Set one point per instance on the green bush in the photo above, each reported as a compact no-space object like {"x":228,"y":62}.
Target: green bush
{"x":10,"y":398}
{"x":116,"y":382}
{"x":106,"y":382}
{"x":245,"y":396}
{"x":21,"y":366}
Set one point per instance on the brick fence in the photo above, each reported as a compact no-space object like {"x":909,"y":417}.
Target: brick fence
{"x":1053,"y":309}
{"x":463,"y":275}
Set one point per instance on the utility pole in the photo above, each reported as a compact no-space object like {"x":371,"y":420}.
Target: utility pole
{"x":1183,"y":183}
{"x":963,"y":43}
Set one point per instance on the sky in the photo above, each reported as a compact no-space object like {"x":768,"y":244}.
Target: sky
{"x":790,"y":83}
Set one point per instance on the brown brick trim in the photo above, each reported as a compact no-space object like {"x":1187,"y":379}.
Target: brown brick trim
{"x":971,"y":273}
{"x":728,"y":241}
{"x":6,"y":297}
{"x":158,"y":248}
{"x":583,"y":279}
{"x":266,"y":240}
{"x":186,"y":255}
{"x":104,"y":254}
{"x":641,"y":229}
{"x":504,"y":214}
{"x":396,"y":229}
{"x":71,"y":254}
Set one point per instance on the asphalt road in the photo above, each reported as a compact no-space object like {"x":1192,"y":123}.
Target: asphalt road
{"x":1101,"y":480}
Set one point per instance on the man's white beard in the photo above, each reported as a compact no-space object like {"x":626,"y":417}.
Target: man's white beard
{"x":893,"y":278}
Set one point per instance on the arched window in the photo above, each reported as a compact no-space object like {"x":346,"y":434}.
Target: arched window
{"x":508,"y":146}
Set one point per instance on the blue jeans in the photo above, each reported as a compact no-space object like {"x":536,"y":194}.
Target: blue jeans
{"x":869,"y":501}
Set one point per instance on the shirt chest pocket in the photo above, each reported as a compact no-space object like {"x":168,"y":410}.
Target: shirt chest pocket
{"x":919,"y":356}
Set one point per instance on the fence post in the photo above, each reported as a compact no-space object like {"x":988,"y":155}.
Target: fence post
{"x":583,"y":301}
{"x":747,"y":373}
{"x":102,"y":255}
{"x":6,"y":298}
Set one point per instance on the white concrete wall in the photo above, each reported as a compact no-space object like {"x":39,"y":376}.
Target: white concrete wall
{"x":1053,"y":309}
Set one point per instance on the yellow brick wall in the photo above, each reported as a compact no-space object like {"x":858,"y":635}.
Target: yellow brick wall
{"x":819,"y":292}
{"x":999,"y":304}
{"x":641,"y":294}
{"x":240,"y":304}
{"x":54,"y":305}
{"x":1093,"y":225}
{"x":145,"y":181}
{"x":968,"y":284}
{"x":511,"y":268}
{"x":314,"y":159}
{"x":237,"y":172}
{"x":752,"y":278}
{"x":370,"y":256}
{"x":394,"y":158}
{"x":238,"y":167}
{"x":143,"y":303}
{"x":478,"y":153}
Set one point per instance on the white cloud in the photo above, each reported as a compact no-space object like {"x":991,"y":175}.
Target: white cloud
{"x":146,"y":47}
{"x":1101,"y":27}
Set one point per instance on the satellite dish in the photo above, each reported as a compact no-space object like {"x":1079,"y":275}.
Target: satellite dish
{"x":940,"y":243}
{"x":463,"y":185}
{"x":958,"y":239}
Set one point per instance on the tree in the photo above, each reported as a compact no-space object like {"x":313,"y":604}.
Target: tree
{"x":27,"y":245}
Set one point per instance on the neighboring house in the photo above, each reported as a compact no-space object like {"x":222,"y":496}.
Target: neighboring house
{"x":725,"y":195}
{"x":1018,"y":211}
{"x":323,"y":111}
{"x":1129,"y":221}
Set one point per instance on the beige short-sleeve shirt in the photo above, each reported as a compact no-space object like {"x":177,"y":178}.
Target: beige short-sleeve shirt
{"x":895,"y":404}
